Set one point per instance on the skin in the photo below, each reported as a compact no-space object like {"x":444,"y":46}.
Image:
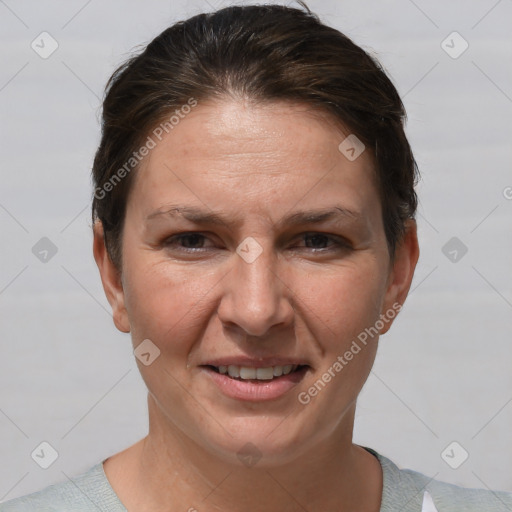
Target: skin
{"x":303,"y":296}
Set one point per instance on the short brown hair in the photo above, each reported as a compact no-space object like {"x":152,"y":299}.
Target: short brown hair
{"x":264,"y":53}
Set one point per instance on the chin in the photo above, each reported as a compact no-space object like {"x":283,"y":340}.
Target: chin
{"x":262,"y":441}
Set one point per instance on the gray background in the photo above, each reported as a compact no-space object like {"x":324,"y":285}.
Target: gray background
{"x":442,"y":374}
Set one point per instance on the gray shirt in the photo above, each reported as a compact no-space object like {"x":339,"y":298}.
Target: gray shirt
{"x":403,"y":491}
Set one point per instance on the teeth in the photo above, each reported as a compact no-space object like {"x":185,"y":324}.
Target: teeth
{"x":265,"y":373}
{"x":247,"y":373}
{"x":251,"y":373}
{"x":278,"y":371}
{"x":234,"y":371}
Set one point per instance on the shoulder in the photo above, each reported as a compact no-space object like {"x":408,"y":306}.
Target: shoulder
{"x":404,"y":489}
{"x":87,"y":492}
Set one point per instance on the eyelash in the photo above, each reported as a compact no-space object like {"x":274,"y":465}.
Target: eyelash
{"x":338,"y":242}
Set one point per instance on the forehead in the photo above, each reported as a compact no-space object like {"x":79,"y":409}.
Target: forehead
{"x":240,"y":152}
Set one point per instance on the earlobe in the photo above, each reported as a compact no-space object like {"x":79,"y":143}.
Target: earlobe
{"x":401,"y":274}
{"x":111,"y":280}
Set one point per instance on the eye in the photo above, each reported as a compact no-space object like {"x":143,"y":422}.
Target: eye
{"x":194,"y":242}
{"x":318,"y":241}
{"x":189,"y":242}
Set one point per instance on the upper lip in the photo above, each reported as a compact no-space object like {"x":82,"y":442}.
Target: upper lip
{"x":252,"y":362}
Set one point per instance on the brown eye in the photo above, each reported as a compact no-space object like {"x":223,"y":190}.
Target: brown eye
{"x":316,"y":240}
{"x":324,"y":242}
{"x":187,"y":241}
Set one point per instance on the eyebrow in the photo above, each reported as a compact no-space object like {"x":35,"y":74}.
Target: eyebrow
{"x":199,"y":216}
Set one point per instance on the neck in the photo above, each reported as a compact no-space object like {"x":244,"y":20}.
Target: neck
{"x":169,"y":471}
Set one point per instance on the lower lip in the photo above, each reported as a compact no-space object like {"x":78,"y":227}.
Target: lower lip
{"x":256,"y":391}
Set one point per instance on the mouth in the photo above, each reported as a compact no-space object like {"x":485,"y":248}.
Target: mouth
{"x":255,"y":383}
{"x":256,"y":374}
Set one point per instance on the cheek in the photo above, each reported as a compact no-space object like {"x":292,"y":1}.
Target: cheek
{"x":342,"y":303}
{"x":166,"y":304}
{"x":343,"y":309}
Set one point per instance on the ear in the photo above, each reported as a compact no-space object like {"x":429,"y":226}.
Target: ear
{"x":401,"y":273}
{"x":111,"y":279}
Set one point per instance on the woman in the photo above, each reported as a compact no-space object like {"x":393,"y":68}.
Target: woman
{"x":254,"y":231}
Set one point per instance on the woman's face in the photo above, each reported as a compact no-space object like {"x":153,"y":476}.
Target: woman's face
{"x":252,"y":242}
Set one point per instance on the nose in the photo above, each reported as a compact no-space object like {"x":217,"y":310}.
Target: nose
{"x":255,"y":297}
